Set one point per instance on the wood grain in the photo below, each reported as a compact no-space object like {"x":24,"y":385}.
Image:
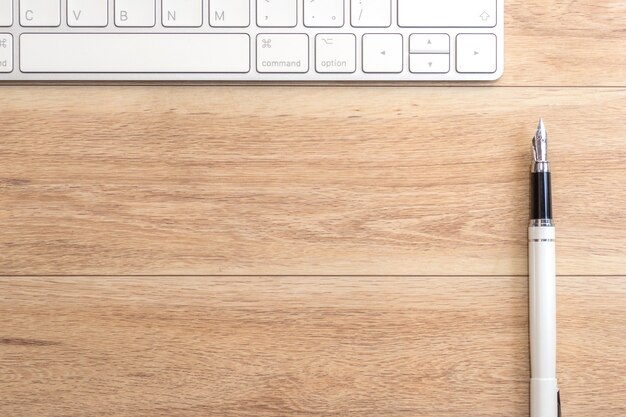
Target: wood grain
{"x":301,"y":346}
{"x":399,"y":181}
{"x":565,"y":43}
{"x":361,"y":180}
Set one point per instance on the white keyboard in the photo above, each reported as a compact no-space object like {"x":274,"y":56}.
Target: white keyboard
{"x":251,"y":40}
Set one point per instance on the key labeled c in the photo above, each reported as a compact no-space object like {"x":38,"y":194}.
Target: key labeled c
{"x":29,"y":14}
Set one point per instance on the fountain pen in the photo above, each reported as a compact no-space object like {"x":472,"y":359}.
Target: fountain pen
{"x":544,"y":391}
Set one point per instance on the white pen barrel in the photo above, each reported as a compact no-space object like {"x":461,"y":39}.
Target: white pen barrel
{"x":542,"y":293}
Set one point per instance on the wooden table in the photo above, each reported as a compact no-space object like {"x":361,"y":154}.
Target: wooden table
{"x":316,"y":250}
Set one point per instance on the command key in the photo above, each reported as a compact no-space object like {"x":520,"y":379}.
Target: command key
{"x":6,"y":52}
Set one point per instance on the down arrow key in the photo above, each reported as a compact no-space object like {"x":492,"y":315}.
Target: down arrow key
{"x":429,"y":63}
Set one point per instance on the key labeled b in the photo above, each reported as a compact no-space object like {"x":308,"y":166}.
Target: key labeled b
{"x":134,"y":13}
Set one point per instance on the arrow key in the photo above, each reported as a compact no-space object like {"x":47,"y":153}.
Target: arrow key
{"x":429,"y":63}
{"x":476,"y":53}
{"x":382,"y":53}
{"x":429,"y":43}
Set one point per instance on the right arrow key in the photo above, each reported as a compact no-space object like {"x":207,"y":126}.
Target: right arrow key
{"x":476,"y":53}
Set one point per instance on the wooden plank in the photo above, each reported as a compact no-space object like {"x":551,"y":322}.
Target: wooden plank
{"x":302,"y":346}
{"x":573,"y":43}
{"x":233,"y":181}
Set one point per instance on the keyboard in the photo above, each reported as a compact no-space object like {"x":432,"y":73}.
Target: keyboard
{"x":251,"y":40}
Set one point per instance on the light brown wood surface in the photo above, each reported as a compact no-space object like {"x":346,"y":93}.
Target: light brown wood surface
{"x":564,"y":43}
{"x":316,"y":250}
{"x":300,"y":346}
{"x":373,"y":181}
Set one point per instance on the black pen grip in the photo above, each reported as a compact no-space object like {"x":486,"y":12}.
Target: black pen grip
{"x":540,"y":196}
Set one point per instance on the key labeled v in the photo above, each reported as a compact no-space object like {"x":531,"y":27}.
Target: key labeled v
{"x":77,"y":14}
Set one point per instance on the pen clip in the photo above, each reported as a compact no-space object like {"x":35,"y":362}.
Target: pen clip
{"x":558,"y":402}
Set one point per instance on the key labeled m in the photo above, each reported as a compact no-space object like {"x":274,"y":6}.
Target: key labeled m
{"x":220,"y":15}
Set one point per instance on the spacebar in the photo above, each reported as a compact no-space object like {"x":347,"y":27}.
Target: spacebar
{"x":135,"y":53}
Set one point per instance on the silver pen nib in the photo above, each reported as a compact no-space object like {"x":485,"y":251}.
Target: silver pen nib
{"x":540,"y":143}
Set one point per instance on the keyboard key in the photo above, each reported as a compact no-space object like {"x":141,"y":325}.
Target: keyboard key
{"x":276,"y":13}
{"x":323,"y":13}
{"x":429,"y":63}
{"x":476,"y":53}
{"x":40,"y":13}
{"x":6,"y":52}
{"x":371,"y":13}
{"x":277,"y":53}
{"x":134,"y":13}
{"x":382,"y":53}
{"x":181,"y":13}
{"x":229,"y":13}
{"x":135,"y":53}
{"x":447,"y":13}
{"x":87,"y":13}
{"x":335,"y":53}
{"x":430,"y":43}
{"x":6,"y":12}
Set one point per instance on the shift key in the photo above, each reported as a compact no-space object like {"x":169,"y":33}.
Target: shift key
{"x":447,"y":13}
